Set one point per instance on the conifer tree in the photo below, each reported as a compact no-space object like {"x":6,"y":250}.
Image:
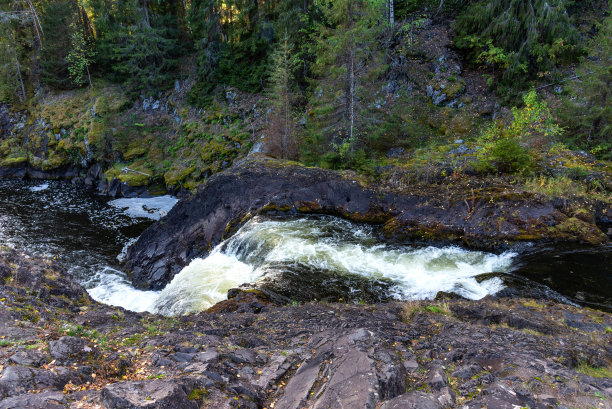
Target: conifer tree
{"x":58,"y":20}
{"x":346,"y":53}
{"x":532,"y":35}
{"x":18,"y":43}
{"x":282,"y":124}
{"x":137,"y":45}
{"x":589,"y":114}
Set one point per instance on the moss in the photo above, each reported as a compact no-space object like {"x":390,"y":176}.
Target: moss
{"x":576,"y":229}
{"x":131,"y":178}
{"x":175,"y":176}
{"x":96,"y":133}
{"x":112,"y":101}
{"x":54,"y":161}
{"x":454,"y":89}
{"x":134,"y":150}
{"x":197,"y":394}
{"x":13,"y":161}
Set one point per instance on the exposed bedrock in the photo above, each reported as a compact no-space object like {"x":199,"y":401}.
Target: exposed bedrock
{"x":485,"y":218}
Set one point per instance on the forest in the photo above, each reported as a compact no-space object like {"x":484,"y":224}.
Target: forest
{"x":344,"y":83}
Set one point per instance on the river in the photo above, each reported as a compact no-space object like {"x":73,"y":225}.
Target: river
{"x":306,"y":258}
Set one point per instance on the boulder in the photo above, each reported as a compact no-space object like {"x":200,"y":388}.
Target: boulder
{"x":154,"y":394}
{"x":44,"y":400}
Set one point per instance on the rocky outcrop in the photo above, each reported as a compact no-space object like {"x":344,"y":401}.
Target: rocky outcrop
{"x":489,"y":217}
{"x":65,"y":351}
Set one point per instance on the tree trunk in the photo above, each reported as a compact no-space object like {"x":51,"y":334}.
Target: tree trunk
{"x":391,"y":13}
{"x":37,"y":25}
{"x":351,"y":94}
{"x":89,"y":77}
{"x":145,"y":7}
{"x":18,"y":66}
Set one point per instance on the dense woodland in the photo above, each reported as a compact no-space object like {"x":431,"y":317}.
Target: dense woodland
{"x":320,"y":66}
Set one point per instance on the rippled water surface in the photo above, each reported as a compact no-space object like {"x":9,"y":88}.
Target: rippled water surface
{"x":306,"y":258}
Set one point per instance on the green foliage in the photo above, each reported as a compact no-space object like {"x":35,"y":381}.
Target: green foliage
{"x":525,"y":39}
{"x":137,"y":47}
{"x":80,"y":57}
{"x":347,"y":61}
{"x":58,"y":19}
{"x":280,"y":138}
{"x":595,"y":372}
{"x":504,"y":145}
{"x":508,"y":155}
{"x":232,"y":40}
{"x":533,"y":121}
{"x":17,"y":42}
{"x":588,"y":114}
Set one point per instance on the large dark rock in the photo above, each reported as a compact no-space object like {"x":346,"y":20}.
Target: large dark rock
{"x":155,"y":394}
{"x":71,"y":348}
{"x":44,"y":400}
{"x":413,"y":400}
{"x":18,"y":379}
{"x":256,"y":184}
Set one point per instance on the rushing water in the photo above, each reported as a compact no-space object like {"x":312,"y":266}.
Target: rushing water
{"x":316,"y":257}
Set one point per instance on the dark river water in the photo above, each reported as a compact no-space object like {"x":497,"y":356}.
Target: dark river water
{"x":325,"y":257}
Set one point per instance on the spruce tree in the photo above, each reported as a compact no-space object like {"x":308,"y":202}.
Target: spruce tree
{"x":588,"y":115}
{"x":58,"y":21}
{"x":534,"y":36}
{"x":348,"y":59}
{"x":281,"y":127}
{"x":137,"y":44}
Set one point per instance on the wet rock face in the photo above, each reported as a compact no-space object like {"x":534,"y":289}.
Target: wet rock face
{"x":489,"y":353}
{"x":196,"y":224}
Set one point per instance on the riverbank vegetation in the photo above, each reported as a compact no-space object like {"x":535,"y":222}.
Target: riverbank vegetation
{"x":179,"y":90}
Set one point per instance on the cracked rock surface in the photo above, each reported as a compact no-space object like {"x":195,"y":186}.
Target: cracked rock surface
{"x":60,"y":349}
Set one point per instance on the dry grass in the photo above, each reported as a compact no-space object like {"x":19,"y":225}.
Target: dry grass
{"x":563,"y":186}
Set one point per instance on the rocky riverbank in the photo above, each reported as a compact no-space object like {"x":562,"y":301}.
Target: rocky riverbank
{"x":60,"y":349}
{"x":487,"y":213}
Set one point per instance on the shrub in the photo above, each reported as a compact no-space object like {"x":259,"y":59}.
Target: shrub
{"x":508,"y":156}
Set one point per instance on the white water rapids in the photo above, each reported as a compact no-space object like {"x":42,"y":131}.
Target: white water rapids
{"x":324,"y":244}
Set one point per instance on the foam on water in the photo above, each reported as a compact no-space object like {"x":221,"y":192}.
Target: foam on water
{"x":329,"y":244}
{"x":151,"y":208}
{"x":39,"y":188}
{"x":112,"y":287}
{"x":203,"y":283}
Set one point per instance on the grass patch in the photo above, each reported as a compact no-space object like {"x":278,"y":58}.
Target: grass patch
{"x":197,"y":394}
{"x":411,"y":308}
{"x":563,"y":186}
{"x":595,"y":372}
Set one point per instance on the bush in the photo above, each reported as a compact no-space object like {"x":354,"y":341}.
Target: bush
{"x":509,"y":156}
{"x":506,"y":146}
